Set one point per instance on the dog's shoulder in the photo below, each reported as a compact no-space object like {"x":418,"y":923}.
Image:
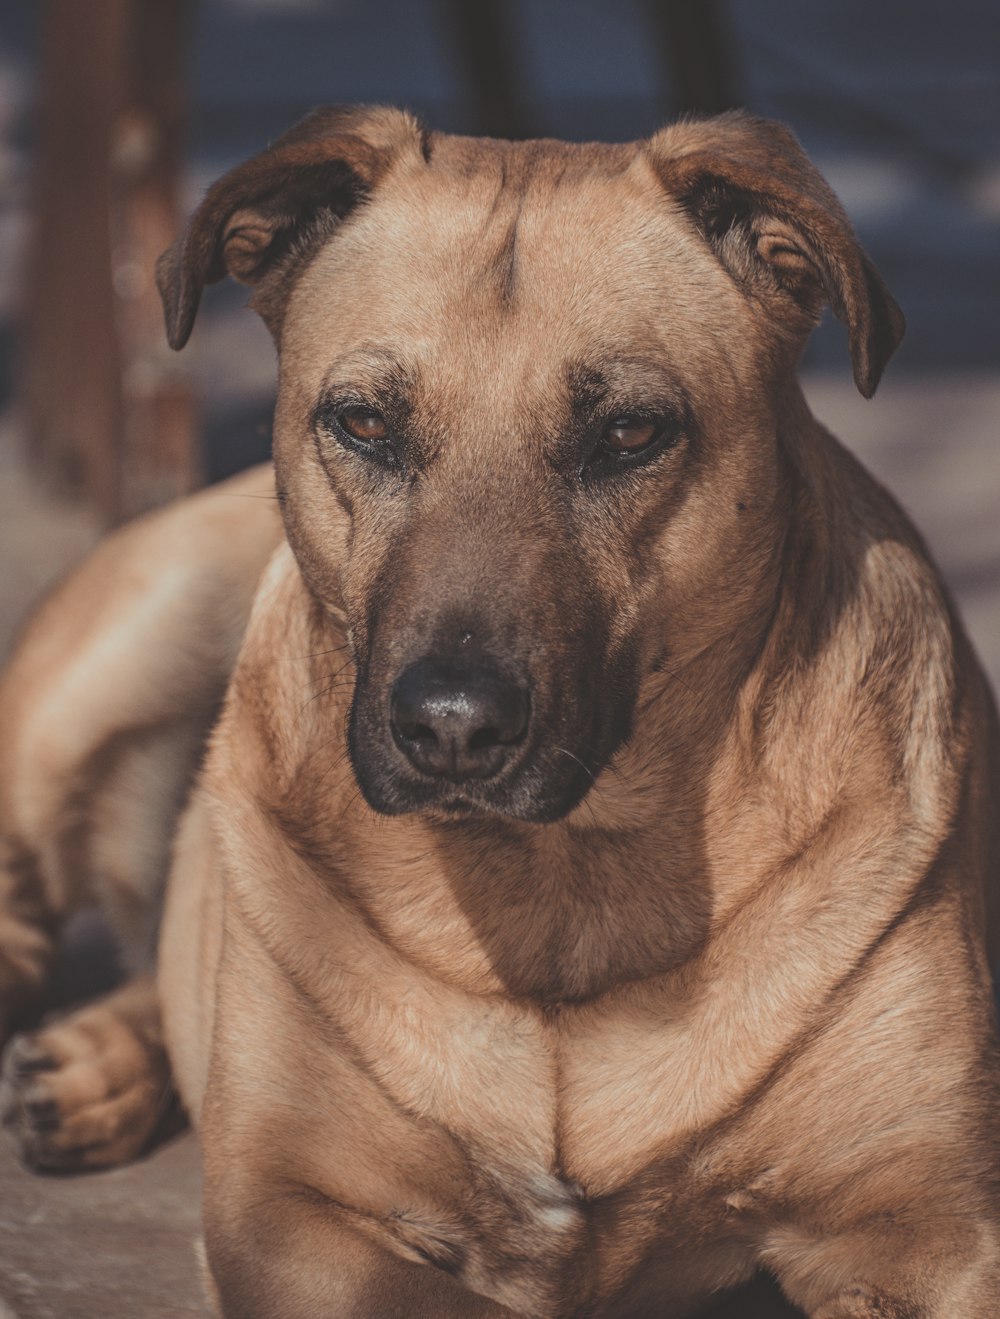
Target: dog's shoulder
{"x":866,"y":652}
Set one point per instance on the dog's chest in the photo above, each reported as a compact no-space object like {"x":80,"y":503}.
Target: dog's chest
{"x":514,"y":1089}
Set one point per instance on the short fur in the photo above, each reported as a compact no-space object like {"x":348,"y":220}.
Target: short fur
{"x":697,"y":983}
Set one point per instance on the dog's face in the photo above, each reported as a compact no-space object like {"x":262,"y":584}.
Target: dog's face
{"x":526,"y":429}
{"x":535,"y":395}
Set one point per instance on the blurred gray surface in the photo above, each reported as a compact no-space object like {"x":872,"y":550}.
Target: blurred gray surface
{"x":116,"y":1245}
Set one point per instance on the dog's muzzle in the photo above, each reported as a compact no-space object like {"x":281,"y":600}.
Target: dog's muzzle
{"x":458,"y":724}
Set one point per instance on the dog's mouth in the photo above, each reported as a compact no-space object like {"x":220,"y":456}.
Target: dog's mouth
{"x":459,"y":806}
{"x":506,"y":765}
{"x":533,"y":803}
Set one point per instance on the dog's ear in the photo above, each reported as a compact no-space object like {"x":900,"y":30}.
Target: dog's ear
{"x":268,"y":214}
{"x":777,"y":227}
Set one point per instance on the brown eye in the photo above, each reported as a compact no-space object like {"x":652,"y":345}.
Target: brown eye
{"x":360,"y":424}
{"x":629,"y":435}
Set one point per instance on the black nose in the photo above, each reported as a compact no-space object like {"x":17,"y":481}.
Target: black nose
{"x":455,"y":723}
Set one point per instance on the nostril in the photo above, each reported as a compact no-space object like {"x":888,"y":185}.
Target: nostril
{"x":505,"y":722}
{"x":484,"y":738}
{"x":417,"y":732}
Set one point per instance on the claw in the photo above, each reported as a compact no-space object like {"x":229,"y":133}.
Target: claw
{"x":43,"y":1114}
{"x":24,"y":1057}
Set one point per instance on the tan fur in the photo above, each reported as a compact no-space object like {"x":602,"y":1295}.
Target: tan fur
{"x":700,"y":983}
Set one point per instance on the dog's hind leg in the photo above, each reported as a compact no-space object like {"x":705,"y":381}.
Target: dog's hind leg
{"x":27,"y":935}
{"x":89,"y":1090}
{"x":97,"y":831}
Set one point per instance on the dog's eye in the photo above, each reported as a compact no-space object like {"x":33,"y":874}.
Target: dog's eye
{"x":360,"y":424}
{"x":629,"y":435}
{"x":361,"y":429}
{"x":629,"y":440}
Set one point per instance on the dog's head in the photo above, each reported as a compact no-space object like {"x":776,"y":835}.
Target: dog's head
{"x":528,"y":415}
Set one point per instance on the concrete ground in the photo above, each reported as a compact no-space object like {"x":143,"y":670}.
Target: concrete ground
{"x":122,"y":1245}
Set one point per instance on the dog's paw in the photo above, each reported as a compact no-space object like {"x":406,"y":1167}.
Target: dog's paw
{"x":85,"y":1092}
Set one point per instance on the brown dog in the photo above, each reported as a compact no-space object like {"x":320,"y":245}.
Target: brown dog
{"x":584,"y":901}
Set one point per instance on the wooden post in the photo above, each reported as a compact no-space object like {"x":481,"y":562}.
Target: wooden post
{"x":158,"y":459}
{"x":484,"y":41}
{"x":694,"y":44}
{"x":107,"y":413}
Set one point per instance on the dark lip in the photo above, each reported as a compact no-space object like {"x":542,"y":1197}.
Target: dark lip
{"x":460,"y":806}
{"x":459,"y":812}
{"x":444,"y":802}
{"x":423,"y":799}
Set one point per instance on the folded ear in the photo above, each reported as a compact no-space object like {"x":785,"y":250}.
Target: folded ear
{"x":272,"y":212}
{"x":778,"y":228}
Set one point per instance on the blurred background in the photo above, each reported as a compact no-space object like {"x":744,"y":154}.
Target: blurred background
{"x":115,"y":115}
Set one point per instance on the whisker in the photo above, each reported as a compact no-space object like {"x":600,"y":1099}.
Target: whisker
{"x":334,"y":687}
{"x":579,"y":762}
{"x":334,"y":650}
{"x":333,"y":682}
{"x":675,"y":674}
{"x":353,"y":799}
{"x":334,"y":764}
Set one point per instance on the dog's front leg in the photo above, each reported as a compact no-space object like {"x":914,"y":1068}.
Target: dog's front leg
{"x":292,"y":1255}
{"x":27,"y":936}
{"x":951,"y":1272}
{"x":89,"y":1089}
{"x":863,"y":1303}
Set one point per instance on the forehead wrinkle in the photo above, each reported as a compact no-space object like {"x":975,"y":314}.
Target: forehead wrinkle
{"x":506,"y":229}
{"x":506,"y":263}
{"x":470,"y":224}
{"x":498,"y":230}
